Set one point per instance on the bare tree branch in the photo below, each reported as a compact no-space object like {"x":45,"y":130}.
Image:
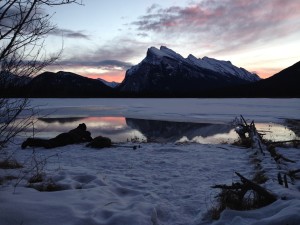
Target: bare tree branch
{"x":24,"y":26}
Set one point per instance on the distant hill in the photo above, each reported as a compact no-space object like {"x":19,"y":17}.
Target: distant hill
{"x":164,"y":72}
{"x":11,"y":85}
{"x":286,"y":83}
{"x":65,"y":84}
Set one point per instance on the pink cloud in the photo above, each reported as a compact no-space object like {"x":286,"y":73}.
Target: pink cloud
{"x":229,"y":23}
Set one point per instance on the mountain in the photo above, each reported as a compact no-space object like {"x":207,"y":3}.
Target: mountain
{"x":65,"y":84}
{"x":11,"y":85}
{"x":9,"y":80}
{"x":165,"y":72}
{"x":109,"y":84}
{"x":286,"y":83}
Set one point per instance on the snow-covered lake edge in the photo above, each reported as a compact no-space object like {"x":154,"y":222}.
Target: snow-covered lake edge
{"x":156,"y":184}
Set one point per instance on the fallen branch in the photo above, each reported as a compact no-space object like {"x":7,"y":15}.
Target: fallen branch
{"x":294,"y":171}
{"x":258,"y":189}
{"x":234,"y":186}
{"x":276,"y":156}
{"x":234,"y":196}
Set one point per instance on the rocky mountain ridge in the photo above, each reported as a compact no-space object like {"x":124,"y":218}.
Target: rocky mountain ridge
{"x":165,"y":71}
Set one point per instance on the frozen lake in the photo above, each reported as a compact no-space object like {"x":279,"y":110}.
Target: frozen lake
{"x":165,"y":120}
{"x":161,"y":183}
{"x":182,"y":110}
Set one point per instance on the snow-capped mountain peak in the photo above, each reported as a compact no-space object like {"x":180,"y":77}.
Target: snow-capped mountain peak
{"x":228,"y":68}
{"x":154,"y":56}
{"x":171,"y":53}
{"x":165,"y":71}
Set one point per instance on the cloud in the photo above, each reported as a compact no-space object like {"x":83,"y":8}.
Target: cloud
{"x":122,"y":49}
{"x":107,"y":64}
{"x":69,"y":33}
{"x":152,"y":8}
{"x":109,"y":61}
{"x":117,"y":53}
{"x":115,"y":63}
{"x":227,"y":24}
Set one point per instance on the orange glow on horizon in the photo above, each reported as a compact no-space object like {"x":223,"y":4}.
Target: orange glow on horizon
{"x":116,"y":76}
{"x":266,"y":72}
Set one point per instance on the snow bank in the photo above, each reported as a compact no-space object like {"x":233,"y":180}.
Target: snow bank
{"x":156,"y":184}
{"x":279,"y":213}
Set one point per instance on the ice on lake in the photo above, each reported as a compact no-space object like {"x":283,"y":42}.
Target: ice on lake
{"x":165,"y":120}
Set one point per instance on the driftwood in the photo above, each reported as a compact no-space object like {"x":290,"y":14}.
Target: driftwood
{"x":235,"y":196}
{"x":279,"y":178}
{"x":285,"y":181}
{"x":258,"y":189}
{"x":253,"y":136}
{"x":292,"y":173}
{"x":235,"y":193}
{"x":249,"y":134}
{"x":276,"y":156}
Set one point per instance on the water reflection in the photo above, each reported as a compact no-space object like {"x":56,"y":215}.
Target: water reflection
{"x":112,"y":127}
{"x":121,"y":129}
{"x":166,"y":131}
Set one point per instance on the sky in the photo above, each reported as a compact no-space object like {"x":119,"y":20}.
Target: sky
{"x":102,"y":39}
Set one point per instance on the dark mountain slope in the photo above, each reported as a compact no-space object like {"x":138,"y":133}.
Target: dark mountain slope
{"x":65,"y":84}
{"x":284,"y":84}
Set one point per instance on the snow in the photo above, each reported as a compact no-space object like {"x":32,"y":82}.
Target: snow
{"x":201,"y":63}
{"x":223,"y":67}
{"x":157,"y":52}
{"x":163,"y":184}
{"x":278,"y":213}
{"x":156,"y":182}
{"x":220,"y":66}
{"x":171,"y":53}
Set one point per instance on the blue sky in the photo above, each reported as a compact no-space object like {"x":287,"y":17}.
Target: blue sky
{"x":104,"y":38}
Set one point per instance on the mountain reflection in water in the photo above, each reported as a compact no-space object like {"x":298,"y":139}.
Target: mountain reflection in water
{"x":166,"y":131}
{"x":121,"y":129}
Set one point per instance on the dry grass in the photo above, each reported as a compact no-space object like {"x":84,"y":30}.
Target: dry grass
{"x":260,"y":177}
{"x":37,"y":178}
{"x":240,"y":198}
{"x":6,"y":178}
{"x":48,"y":186}
{"x":10,"y":164}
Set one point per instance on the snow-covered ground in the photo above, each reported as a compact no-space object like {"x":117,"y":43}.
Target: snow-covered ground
{"x":159,"y":183}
